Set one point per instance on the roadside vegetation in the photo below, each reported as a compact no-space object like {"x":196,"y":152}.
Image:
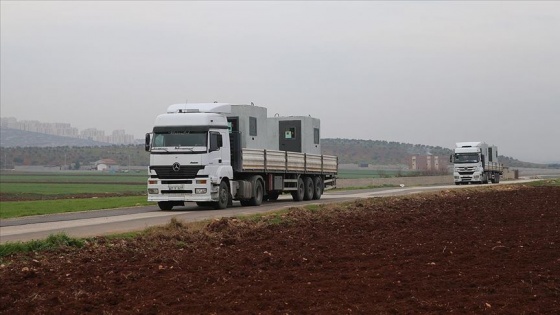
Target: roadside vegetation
{"x":371,"y":173}
{"x":16,"y":209}
{"x":545,"y":182}
{"x":365,"y":187}
{"x":52,"y":242}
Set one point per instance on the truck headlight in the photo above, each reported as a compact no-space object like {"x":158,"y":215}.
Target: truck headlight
{"x":153,"y":191}
{"x":200,"y":190}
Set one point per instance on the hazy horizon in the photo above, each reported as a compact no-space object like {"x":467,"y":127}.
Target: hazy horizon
{"x":431,"y":73}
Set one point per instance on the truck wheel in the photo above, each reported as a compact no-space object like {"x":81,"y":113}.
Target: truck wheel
{"x":497,"y":178}
{"x":297,"y":195}
{"x":318,"y":185}
{"x":223,"y":196}
{"x":165,"y":205}
{"x":259,"y":192}
{"x":308,"y":188}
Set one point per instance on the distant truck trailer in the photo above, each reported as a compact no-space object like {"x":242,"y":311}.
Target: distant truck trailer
{"x":476,"y":163}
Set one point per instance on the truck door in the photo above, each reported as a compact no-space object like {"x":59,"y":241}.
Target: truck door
{"x":290,"y":135}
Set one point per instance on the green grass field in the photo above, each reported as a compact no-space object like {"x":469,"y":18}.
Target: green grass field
{"x":25,"y":194}
{"x":54,"y":188}
{"x":15,"y":209}
{"x":78,"y":177}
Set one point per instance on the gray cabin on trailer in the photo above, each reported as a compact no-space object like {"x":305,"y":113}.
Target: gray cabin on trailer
{"x":295,"y":133}
{"x":257,"y":131}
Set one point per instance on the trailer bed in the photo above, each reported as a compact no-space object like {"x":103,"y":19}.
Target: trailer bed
{"x":271,"y":161}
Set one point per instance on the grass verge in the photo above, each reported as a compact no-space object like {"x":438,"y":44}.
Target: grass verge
{"x":365,"y":187}
{"x":53,"y":241}
{"x":15,"y":209}
{"x":545,"y":182}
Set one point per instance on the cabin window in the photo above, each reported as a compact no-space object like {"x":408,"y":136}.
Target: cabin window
{"x":290,"y":133}
{"x":316,"y":135}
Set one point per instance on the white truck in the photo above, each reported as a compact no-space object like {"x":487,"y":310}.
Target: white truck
{"x":214,"y":153}
{"x":475,"y":162}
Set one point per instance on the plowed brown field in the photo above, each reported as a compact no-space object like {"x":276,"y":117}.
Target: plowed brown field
{"x":484,"y":250}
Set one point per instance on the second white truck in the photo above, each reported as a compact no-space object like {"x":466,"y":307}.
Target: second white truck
{"x":214,"y":153}
{"x":475,"y":162}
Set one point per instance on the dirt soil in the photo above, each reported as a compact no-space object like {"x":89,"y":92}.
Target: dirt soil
{"x":484,"y":250}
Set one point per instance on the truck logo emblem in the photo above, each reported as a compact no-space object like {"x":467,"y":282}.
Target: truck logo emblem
{"x":176,"y":166}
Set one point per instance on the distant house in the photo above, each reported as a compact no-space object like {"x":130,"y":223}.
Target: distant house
{"x":427,"y":163}
{"x":106,"y":165}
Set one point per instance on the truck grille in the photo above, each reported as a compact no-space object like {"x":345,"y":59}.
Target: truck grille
{"x":167,"y":172}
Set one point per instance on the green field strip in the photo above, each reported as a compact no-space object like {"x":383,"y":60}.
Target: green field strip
{"x":14,"y":209}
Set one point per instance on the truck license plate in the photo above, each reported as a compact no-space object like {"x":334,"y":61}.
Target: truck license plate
{"x":175,"y":187}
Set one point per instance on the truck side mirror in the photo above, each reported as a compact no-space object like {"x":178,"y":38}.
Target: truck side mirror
{"x":451,"y":158}
{"x":147,"y":142}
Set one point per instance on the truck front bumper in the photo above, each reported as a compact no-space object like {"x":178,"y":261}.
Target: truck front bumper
{"x":195,"y":190}
{"x":465,"y":178}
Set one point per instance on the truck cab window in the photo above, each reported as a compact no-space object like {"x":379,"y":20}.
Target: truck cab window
{"x":159,"y":140}
{"x":466,"y":158}
{"x":180,"y":139}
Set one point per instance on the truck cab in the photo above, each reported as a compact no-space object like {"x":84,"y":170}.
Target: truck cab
{"x":214,"y":153}
{"x":189,"y":156}
{"x":475,"y":162}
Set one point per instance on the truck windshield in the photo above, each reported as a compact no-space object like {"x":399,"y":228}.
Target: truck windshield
{"x":466,"y":158}
{"x":180,"y":139}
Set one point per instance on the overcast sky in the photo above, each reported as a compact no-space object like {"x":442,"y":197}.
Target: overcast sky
{"x":431,"y":73}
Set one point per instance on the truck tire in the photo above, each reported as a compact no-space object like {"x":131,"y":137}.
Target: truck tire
{"x":318,"y":187}
{"x":497,"y":178}
{"x":223,"y":196}
{"x":258,"y":194}
{"x":297,"y":195}
{"x":308,"y":188}
{"x":165,"y":205}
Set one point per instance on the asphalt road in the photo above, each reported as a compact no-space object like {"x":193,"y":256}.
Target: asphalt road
{"x":104,"y":222}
